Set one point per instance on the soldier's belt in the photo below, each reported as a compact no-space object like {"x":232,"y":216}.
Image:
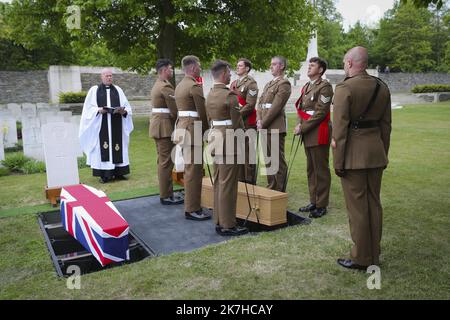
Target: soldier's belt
{"x":160,"y":110}
{"x":216,"y":123}
{"x":192,"y":114}
{"x":265,"y":105}
{"x":364,"y":124}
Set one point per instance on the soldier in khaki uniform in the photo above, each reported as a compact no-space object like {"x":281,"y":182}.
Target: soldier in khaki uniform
{"x":164,"y":114}
{"x":313,"y":108}
{"x":246,"y":90}
{"x":271,"y":116}
{"x":224,"y":114}
{"x":190,"y":126}
{"x":361,"y":137}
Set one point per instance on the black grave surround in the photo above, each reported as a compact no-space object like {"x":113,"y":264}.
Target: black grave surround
{"x":155,"y":229}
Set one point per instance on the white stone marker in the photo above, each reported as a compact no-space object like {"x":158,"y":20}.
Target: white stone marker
{"x":31,"y":137}
{"x":60,"y":159}
{"x":2,"y":150}
{"x":15,"y":109}
{"x":8,"y":127}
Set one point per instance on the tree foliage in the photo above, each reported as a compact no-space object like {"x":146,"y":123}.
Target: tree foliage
{"x":139,"y":32}
{"x":405,"y":40}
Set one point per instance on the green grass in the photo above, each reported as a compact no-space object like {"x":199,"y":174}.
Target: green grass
{"x":293,"y":263}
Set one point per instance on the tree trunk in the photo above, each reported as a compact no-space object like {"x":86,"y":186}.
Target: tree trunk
{"x":166,"y":39}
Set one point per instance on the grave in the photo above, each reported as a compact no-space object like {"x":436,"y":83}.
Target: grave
{"x":31,"y":137}
{"x":158,"y":230}
{"x":15,"y":109}
{"x":9,"y":128}
{"x":60,"y":158}
{"x":2,"y":148}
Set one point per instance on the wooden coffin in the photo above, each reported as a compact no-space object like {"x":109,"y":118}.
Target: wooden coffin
{"x":270,"y":205}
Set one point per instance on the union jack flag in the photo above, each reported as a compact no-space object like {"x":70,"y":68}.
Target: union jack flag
{"x":91,"y":218}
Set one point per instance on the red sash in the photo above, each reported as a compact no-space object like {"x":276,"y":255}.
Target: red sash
{"x":252,"y":117}
{"x":199,"y":80}
{"x":324,"y":132}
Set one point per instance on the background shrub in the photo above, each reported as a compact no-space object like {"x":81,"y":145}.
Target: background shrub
{"x":426,"y":88}
{"x":15,"y":161}
{"x":33,"y":166}
{"x":72,"y":97}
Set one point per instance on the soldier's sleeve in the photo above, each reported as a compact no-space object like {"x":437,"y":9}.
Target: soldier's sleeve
{"x":321,"y":109}
{"x":250,"y":99}
{"x":278,"y":103}
{"x":199,"y":101}
{"x":385,"y":125}
{"x":169,"y":97}
{"x":341,"y":120}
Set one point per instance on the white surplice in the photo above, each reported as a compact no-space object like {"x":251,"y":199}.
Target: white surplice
{"x":90,"y":124}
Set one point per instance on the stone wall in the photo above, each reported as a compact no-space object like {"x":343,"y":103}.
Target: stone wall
{"x":33,"y":86}
{"x":404,"y":82}
{"x":135,"y":86}
{"x":24,"y":86}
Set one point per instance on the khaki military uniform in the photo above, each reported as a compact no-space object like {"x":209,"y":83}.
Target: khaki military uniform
{"x":224,"y":114}
{"x":247,"y":91}
{"x":164,"y":114}
{"x":362,"y":150}
{"x":314,"y":114}
{"x":189,"y":98}
{"x":271,"y":113}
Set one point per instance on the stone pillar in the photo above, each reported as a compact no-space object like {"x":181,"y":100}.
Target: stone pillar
{"x":63,"y":79}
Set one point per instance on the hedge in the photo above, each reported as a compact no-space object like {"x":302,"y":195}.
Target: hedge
{"x":426,"y":88}
{"x":72,"y":97}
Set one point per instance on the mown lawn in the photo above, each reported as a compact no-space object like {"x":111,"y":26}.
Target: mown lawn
{"x":293,"y":263}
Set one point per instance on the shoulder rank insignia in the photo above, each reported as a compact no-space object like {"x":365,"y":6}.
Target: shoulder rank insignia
{"x":325,"y":99}
{"x":253,"y":92}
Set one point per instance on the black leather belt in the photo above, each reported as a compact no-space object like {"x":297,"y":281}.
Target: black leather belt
{"x":364,"y":124}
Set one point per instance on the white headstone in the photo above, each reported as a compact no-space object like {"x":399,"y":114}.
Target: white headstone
{"x":75,"y":121}
{"x":41,"y":105}
{"x":31,"y":137}
{"x":29,"y":110}
{"x":66,"y":115}
{"x":60,"y":159}
{"x":2,"y":150}
{"x":15,"y":109}
{"x":8,"y":128}
{"x":45,"y":116}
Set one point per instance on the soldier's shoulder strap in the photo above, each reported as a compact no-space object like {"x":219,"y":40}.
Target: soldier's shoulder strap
{"x":372,"y":98}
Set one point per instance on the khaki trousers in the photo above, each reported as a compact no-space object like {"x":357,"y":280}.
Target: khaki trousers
{"x":165,"y":165}
{"x":319,"y":178}
{"x":276,"y":181}
{"x":362,"y":197}
{"x":225,"y":193}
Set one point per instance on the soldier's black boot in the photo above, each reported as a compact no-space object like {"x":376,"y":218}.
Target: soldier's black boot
{"x":310,"y":207}
{"x":318,"y":212}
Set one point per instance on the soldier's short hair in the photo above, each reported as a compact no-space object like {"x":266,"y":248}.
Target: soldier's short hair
{"x":188,"y":61}
{"x":321,"y":62}
{"x":282,"y":60}
{"x":247,"y":63}
{"x":218,"y":67}
{"x":163,"y":63}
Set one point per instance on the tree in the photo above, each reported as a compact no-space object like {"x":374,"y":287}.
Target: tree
{"x":403,"y":40}
{"x":424,"y":3}
{"x":135,"y":33}
{"x":330,"y":34}
{"x":139,"y":32}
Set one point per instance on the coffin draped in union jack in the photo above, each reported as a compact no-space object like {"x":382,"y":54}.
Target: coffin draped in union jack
{"x":91,"y":218}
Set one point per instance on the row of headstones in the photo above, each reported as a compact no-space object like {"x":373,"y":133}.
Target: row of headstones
{"x":33,"y":117}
